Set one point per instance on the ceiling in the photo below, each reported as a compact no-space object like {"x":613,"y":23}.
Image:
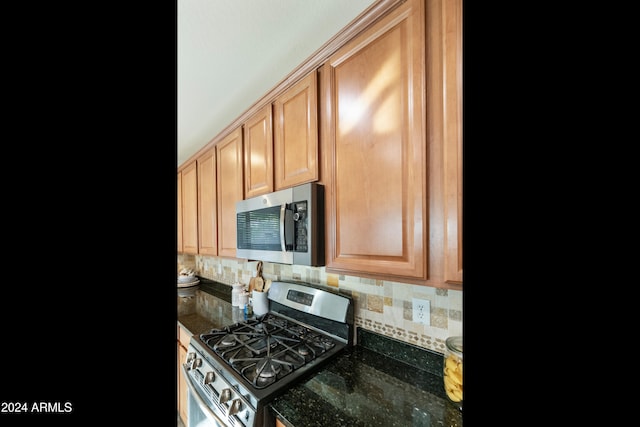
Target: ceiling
{"x":232,"y":52}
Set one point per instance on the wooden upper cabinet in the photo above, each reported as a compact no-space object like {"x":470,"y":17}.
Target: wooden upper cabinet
{"x":373,"y":130}
{"x":179,"y":212}
{"x":296,"y":133}
{"x":207,"y":205}
{"x":452,"y":137}
{"x":258,"y":153}
{"x":190,"y":209}
{"x":230,"y":185}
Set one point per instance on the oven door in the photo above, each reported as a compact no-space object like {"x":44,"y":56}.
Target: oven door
{"x":198,"y":412}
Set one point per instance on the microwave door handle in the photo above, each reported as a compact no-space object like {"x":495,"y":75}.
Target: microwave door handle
{"x":283,"y":211}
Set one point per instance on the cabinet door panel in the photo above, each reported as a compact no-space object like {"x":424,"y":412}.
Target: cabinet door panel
{"x":452,"y":137}
{"x":296,"y":134}
{"x":258,"y":153}
{"x":190,"y":209}
{"x":207,"y":209}
{"x":179,"y":213}
{"x":230,"y":190}
{"x":377,"y":141}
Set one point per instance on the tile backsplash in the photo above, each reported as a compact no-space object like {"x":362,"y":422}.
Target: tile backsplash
{"x":380,"y":306}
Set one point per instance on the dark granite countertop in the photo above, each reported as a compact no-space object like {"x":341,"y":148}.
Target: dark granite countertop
{"x":197,"y":322}
{"x":379,"y":382}
{"x":366,"y":387}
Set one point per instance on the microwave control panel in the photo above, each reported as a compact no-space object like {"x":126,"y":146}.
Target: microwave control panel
{"x":300,"y":224}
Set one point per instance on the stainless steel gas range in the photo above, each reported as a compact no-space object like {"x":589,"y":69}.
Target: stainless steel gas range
{"x":234,"y":372}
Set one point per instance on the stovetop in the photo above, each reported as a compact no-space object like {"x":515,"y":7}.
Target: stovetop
{"x":266,"y":349}
{"x":238,"y":369}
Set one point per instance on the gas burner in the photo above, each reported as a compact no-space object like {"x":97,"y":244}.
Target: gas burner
{"x":304,"y":350}
{"x":320,"y":341}
{"x":212,"y":336}
{"x":222,"y":344}
{"x":227,"y":340}
{"x":263,"y":372}
{"x":267,"y":367}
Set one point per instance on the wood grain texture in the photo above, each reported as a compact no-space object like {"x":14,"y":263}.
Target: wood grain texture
{"x":207,"y":204}
{"x":190,"y":208}
{"x":230,"y":190}
{"x":296,"y":134}
{"x":258,"y":153}
{"x":375,"y":136}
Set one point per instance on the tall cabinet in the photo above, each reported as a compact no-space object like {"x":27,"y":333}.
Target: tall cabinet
{"x":374,"y":139}
{"x":189,"y":192}
{"x":207,"y":202}
{"x":230,"y":189}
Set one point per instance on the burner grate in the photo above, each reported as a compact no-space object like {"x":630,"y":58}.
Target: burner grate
{"x":266,"y":349}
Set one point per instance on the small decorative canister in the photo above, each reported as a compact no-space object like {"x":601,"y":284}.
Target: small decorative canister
{"x":452,"y":367}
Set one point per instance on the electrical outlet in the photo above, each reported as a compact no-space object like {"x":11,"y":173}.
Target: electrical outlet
{"x":422,"y":311}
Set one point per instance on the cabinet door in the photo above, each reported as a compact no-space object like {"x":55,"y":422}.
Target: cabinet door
{"x":190,"y":209}
{"x":182,"y":385}
{"x":258,"y":153}
{"x":230,"y":190}
{"x":179,"y":212}
{"x":207,"y":210}
{"x":183,"y":342}
{"x":374,"y":137}
{"x":296,"y":134}
{"x":452,"y":138}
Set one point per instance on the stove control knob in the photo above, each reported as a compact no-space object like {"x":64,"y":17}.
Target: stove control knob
{"x":236,"y":406}
{"x":197,"y":363}
{"x":225,"y":395}
{"x":189,"y":360}
{"x":209,"y":378}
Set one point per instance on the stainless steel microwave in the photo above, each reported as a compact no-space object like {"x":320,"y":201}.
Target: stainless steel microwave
{"x":286,"y":226}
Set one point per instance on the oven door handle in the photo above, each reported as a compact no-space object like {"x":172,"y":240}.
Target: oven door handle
{"x":201,"y":403}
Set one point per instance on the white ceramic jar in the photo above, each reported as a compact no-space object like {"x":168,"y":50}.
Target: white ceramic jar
{"x":260,"y":302}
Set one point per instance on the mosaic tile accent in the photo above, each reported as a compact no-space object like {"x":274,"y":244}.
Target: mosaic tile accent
{"x":380,"y":306}
{"x":374,"y":303}
{"x":407,"y":310}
